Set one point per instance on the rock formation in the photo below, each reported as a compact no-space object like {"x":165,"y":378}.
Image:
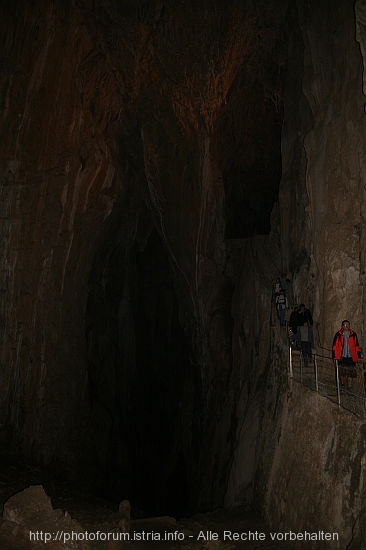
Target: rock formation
{"x":161,"y":164}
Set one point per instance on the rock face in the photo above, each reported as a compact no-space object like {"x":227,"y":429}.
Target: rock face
{"x":305,"y":466}
{"x":161,"y":165}
{"x":123,"y":130}
{"x":322,"y":448}
{"x":29,"y":521}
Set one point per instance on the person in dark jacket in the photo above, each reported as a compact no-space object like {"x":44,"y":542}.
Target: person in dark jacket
{"x":346,"y":350}
{"x":293,"y":324}
{"x":304,"y":316}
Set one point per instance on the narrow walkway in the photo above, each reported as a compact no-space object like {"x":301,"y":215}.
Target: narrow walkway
{"x":321,"y":375}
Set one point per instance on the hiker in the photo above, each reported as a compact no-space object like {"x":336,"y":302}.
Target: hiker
{"x":276,"y":287}
{"x":346,"y":350}
{"x":306,"y":339}
{"x":289,"y":292}
{"x":293,"y":324}
{"x":304,"y":315}
{"x":281,"y":307}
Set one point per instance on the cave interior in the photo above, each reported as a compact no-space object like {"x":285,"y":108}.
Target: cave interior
{"x":151,"y":152}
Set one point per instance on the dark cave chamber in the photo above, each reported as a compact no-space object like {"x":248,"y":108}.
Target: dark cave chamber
{"x":143,"y":384}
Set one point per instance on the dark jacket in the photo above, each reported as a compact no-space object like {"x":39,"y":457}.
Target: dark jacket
{"x":304,"y":317}
{"x":354,"y":347}
{"x":294,"y":321}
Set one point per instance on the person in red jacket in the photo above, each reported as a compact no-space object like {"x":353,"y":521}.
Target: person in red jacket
{"x":346,"y":350}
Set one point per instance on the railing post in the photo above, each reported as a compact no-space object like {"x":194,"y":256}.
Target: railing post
{"x":337,"y":381}
{"x":316,"y":373}
{"x":290,"y":362}
{"x":301,"y":360}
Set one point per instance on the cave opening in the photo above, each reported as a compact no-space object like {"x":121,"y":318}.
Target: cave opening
{"x":142,"y":382}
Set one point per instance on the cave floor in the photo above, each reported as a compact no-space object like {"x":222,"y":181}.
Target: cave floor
{"x":222,"y":529}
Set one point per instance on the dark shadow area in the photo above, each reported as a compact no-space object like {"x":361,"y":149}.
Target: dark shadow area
{"x":251,"y":163}
{"x":142,"y":388}
{"x":249,"y":132}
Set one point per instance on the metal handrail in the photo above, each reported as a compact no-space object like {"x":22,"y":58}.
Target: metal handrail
{"x":323,"y":376}
{"x":338,"y":386}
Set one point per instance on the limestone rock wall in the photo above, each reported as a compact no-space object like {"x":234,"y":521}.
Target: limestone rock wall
{"x":324,"y":136}
{"x":317,"y":475}
{"x":308,"y":463}
{"x":331,"y":280}
{"x":59,"y":184}
{"x":129,"y":131}
{"x":114,"y":128}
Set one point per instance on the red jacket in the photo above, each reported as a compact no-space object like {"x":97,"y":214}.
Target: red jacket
{"x":354,"y":346}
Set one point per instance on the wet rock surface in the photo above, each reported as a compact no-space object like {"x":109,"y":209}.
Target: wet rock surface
{"x":30,"y":521}
{"x":59,"y":510}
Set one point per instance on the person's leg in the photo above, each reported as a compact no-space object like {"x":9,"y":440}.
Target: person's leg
{"x":282,"y":317}
{"x":348,"y":365}
{"x":298,"y":337}
{"x":308,"y":351}
{"x":303,"y":353}
{"x":350,"y":373}
{"x":344,"y":372}
{"x":279,"y":315}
